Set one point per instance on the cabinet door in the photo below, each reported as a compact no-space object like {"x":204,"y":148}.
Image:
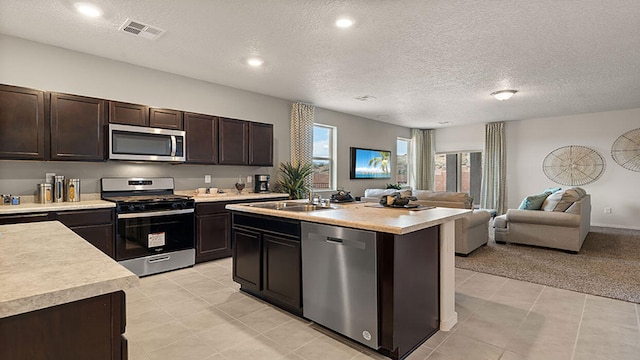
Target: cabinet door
{"x":233,"y":136}
{"x":213,"y":236}
{"x":165,"y":118}
{"x":202,"y":138}
{"x":281,"y":276}
{"x":246,"y":258}
{"x":22,"y":119}
{"x":77,"y":128}
{"x":260,"y":144}
{"x":100,"y":236}
{"x":128,"y":114}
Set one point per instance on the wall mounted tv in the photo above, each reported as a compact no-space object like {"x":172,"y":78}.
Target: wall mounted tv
{"x":370,"y":164}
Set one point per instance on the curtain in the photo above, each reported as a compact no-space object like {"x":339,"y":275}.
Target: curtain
{"x":302,"y":136}
{"x":492,"y":195}
{"x":423,"y":150}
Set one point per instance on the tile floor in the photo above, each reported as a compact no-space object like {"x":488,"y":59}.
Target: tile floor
{"x":199,"y":313}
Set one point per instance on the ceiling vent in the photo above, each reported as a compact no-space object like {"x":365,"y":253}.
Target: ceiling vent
{"x":141,"y":30}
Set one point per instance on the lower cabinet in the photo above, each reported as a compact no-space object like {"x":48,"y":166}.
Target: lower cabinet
{"x":267,"y":259}
{"x":91,"y":328}
{"x":213,"y":226}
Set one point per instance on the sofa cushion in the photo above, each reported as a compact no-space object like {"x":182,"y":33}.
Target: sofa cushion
{"x":377,"y":193}
{"x":464,"y":199}
{"x":533,"y":202}
{"x":561,"y":200}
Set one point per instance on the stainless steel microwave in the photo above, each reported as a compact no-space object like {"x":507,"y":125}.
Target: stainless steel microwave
{"x":140,"y":143}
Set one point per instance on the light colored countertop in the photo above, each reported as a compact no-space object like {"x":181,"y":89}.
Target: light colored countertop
{"x":24,"y":208}
{"x":232,"y":196}
{"x":45,"y":264}
{"x":357,"y":215}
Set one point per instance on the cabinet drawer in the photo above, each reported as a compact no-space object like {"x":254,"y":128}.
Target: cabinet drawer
{"x":211,"y":208}
{"x":24,"y":218}
{"x":85,"y":217}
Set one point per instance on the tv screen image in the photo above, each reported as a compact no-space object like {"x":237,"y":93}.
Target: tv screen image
{"x":370,"y":164}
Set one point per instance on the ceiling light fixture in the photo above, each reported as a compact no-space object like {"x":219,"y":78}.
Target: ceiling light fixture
{"x":344,"y":23}
{"x":503,"y":94}
{"x":87,"y":9}
{"x":255,"y":62}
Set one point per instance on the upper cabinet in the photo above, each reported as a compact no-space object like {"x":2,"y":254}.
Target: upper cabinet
{"x":260,"y":144}
{"x":233,"y":137}
{"x":128,"y":114}
{"x":22,"y":123}
{"x":142,"y":115}
{"x":202,"y":138}
{"x":77,"y":127}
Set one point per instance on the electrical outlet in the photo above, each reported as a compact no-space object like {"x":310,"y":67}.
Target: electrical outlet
{"x":249,"y":179}
{"x":49,"y":177}
{"x":207,"y":179}
{"x":607,"y":210}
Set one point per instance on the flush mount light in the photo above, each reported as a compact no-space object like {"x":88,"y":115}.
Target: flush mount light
{"x":255,"y":62}
{"x":344,"y":23}
{"x":503,"y":94}
{"x":87,"y":9}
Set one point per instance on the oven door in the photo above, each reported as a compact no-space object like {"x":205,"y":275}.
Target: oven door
{"x":148,"y":233}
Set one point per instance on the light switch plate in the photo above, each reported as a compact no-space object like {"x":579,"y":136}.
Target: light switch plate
{"x":207,"y":179}
{"x":49,"y":177}
{"x":249,"y":179}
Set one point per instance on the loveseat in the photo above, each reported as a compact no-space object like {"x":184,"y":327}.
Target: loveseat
{"x":562,"y":221}
{"x":471,"y":231}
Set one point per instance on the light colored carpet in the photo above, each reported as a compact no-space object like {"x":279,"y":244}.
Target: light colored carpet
{"x":607,"y":265}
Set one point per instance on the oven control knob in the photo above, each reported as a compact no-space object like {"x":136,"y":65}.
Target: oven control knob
{"x":174,"y":205}
{"x":141,"y":207}
{"x":183,"y":204}
{"x":131,"y":207}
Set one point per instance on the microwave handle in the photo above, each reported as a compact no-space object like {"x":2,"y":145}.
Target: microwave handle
{"x":174,"y":145}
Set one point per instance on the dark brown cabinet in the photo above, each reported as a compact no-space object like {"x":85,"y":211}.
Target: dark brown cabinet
{"x":267,"y":259}
{"x":233,"y":137}
{"x":128,"y":114}
{"x":165,"y":118}
{"x":22,"y":123}
{"x":202,"y":138}
{"x":260,"y":144}
{"x":95,"y":226}
{"x":213,"y":229}
{"x":77,"y":128}
{"x":91,"y":328}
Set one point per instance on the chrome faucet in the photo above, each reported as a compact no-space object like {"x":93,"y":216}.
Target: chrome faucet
{"x":314,"y":199}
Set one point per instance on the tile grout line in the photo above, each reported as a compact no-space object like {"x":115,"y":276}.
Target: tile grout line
{"x":575,"y":343}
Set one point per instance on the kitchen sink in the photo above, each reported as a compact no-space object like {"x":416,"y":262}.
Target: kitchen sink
{"x":292,"y":206}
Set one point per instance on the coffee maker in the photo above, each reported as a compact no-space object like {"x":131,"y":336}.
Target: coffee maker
{"x":262,"y":183}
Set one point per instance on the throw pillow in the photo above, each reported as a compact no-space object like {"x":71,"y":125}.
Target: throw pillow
{"x":551,"y":190}
{"x":533,"y":202}
{"x":560,"y":200}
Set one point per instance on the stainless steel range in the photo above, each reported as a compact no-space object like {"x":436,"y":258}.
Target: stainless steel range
{"x":155,"y":228}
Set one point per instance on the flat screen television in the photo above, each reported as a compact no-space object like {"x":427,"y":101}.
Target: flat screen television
{"x":370,"y":164}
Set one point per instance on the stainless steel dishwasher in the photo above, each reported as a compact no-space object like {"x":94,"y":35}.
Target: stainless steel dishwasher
{"x":339,"y":280}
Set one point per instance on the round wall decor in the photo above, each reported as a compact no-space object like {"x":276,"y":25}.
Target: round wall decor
{"x":573,"y":165}
{"x":626,"y":150}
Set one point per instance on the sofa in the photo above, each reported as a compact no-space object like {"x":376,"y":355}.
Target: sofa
{"x":471,"y":231}
{"x":561,"y":222}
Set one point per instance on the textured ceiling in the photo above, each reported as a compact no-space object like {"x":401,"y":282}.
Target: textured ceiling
{"x":426,"y":63}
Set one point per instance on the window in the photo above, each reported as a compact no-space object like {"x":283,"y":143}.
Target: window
{"x":324,"y":172}
{"x":460,"y":172}
{"x":403,"y":160}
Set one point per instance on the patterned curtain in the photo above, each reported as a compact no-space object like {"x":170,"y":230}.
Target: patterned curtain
{"x":302,"y":136}
{"x":492,"y":195}
{"x":423,"y":150}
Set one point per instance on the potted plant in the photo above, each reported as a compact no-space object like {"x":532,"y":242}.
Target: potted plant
{"x":394,"y":186}
{"x":291,"y":179}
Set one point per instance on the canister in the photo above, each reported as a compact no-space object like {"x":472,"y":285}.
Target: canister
{"x":45,"y":195}
{"x":72,"y":190}
{"x":58,"y":189}
{"x":5,"y":199}
{"x":15,"y":200}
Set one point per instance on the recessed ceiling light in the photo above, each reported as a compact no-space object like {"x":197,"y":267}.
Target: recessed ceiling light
{"x":255,"y":62}
{"x":344,"y":23}
{"x":503,"y":94}
{"x":88,"y":9}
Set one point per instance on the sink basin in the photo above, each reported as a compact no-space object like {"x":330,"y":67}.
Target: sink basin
{"x":291,"y":206}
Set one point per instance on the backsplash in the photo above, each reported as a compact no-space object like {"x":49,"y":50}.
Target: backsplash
{"x":22,"y":177}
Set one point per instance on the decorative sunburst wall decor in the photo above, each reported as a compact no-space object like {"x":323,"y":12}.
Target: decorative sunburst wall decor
{"x":573,"y":165}
{"x":626,"y":150}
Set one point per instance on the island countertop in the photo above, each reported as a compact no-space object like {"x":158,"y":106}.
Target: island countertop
{"x":362,"y":215}
{"x":45,"y":264}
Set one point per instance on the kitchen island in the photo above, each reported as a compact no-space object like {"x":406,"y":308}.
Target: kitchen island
{"x":414,"y":265}
{"x":60,"y":297}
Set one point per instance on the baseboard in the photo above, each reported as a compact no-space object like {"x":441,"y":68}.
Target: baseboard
{"x":616,"y":226}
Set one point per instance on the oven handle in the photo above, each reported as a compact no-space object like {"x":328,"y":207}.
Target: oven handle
{"x":154,"y":213}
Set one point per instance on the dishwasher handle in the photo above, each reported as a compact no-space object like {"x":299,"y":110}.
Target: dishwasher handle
{"x":338,"y":241}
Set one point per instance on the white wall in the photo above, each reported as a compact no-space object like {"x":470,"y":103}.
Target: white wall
{"x":529,"y":141}
{"x":34,"y":65}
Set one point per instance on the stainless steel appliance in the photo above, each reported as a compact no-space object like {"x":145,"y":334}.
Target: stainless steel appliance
{"x":58,"y":188}
{"x":155,"y":229}
{"x":261,"y":183}
{"x":140,"y":143}
{"x":44,"y":194}
{"x":72,"y":190}
{"x":339,"y":280}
